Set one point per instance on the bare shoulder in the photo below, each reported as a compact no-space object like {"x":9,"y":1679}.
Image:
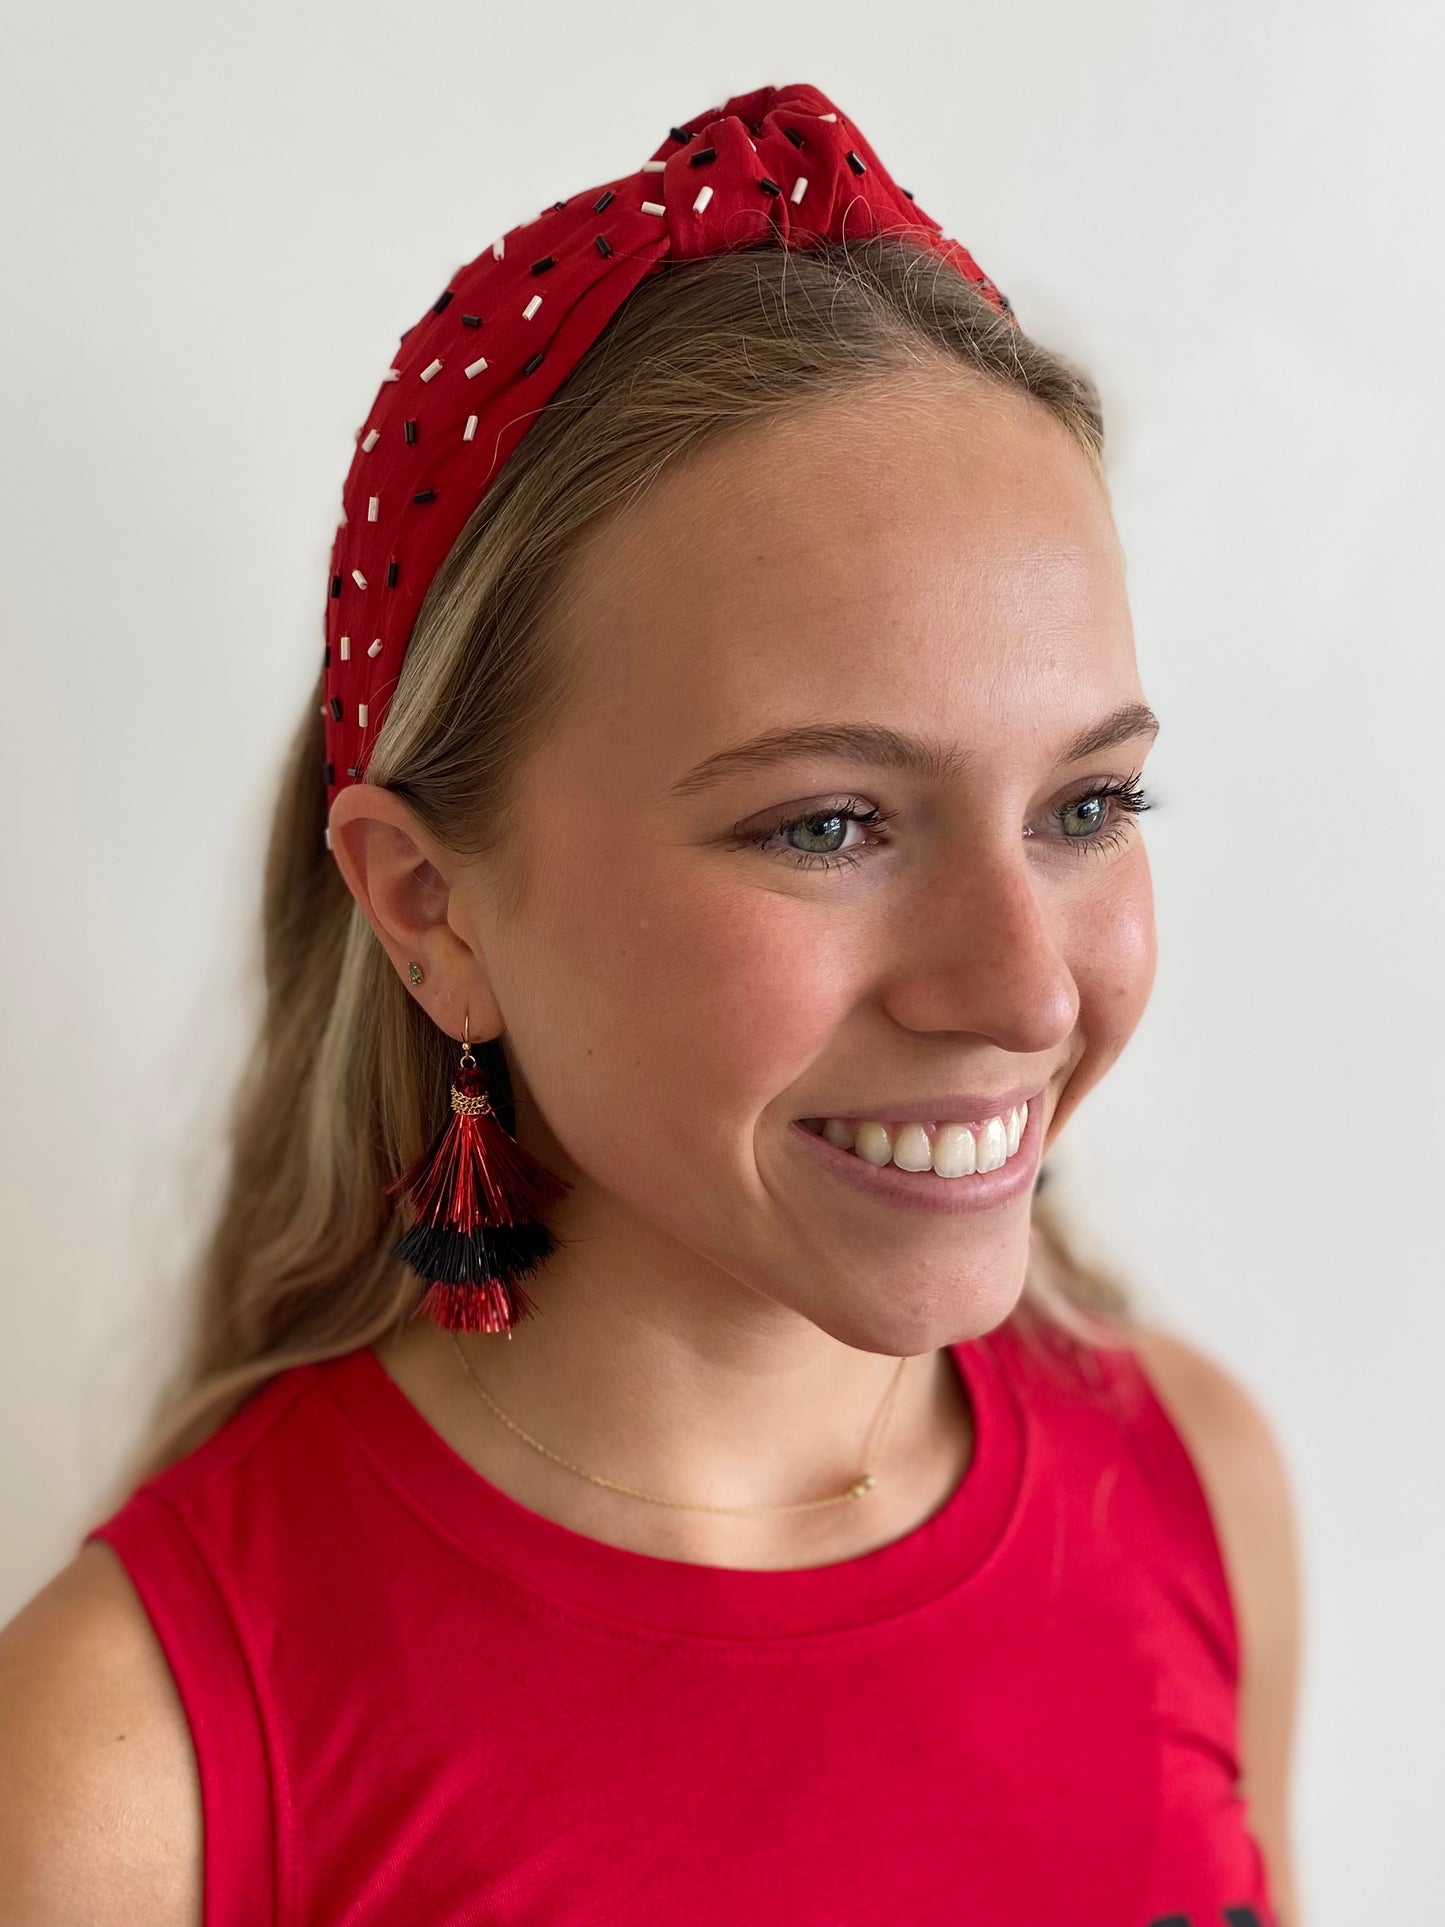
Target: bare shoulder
{"x":100,"y":1815}
{"x":1245,"y":1478}
{"x":1237,"y":1454}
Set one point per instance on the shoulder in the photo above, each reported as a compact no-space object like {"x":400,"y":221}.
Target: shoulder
{"x":100,"y":1814}
{"x":1246,"y":1481}
{"x":1241,"y":1467}
{"x":1226,"y":1430}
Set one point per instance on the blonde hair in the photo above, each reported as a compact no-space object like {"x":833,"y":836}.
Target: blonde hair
{"x":348,"y":1076}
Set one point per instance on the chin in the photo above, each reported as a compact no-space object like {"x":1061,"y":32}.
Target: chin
{"x":911,"y":1322}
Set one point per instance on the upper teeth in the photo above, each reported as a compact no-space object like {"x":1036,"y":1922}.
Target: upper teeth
{"x":953,"y":1151}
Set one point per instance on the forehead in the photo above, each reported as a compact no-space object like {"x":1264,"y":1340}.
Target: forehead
{"x":932,"y":553}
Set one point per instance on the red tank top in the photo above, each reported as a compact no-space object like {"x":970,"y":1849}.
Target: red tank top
{"x":416,"y":1701}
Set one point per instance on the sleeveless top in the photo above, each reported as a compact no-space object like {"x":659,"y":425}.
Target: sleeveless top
{"x":415,"y":1700}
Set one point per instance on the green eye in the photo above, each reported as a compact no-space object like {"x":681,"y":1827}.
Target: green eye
{"x":820,"y":825}
{"x":1129,"y":798}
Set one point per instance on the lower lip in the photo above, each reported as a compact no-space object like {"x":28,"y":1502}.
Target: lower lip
{"x":925,"y":1190}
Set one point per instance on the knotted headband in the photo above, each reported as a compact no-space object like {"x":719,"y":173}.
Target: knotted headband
{"x":776,"y":166}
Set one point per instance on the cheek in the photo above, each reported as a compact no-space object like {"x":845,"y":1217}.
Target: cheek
{"x":675,"y":993}
{"x":1114,"y":956}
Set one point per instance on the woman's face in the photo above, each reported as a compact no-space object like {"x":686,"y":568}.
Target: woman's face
{"x":710,"y":951}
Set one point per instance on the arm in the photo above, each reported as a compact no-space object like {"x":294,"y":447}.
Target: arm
{"x":1243,"y":1474}
{"x":100,"y":1815}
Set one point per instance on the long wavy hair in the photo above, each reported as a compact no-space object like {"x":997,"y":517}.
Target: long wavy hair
{"x":347,"y":1076}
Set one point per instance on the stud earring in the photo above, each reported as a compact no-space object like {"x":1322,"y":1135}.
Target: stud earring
{"x":416,"y":973}
{"x":480,"y":1199}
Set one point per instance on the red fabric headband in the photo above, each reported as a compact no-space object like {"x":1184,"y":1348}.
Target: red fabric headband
{"x":778,"y":165}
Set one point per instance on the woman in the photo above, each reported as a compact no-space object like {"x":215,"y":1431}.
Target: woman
{"x":698,"y":1482}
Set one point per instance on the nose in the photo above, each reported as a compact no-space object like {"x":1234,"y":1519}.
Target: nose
{"x":983,"y":950}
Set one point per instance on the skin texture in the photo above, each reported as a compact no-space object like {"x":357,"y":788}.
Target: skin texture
{"x":100,"y":1814}
{"x":724,"y":1318}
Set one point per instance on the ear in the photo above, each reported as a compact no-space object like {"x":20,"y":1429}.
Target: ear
{"x":410,"y":890}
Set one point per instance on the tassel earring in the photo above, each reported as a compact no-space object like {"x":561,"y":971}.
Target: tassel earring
{"x":479,"y":1198}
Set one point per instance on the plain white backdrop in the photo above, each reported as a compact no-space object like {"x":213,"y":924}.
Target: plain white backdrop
{"x":218,"y":219}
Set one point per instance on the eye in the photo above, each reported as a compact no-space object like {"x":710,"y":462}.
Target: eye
{"x":1129,"y":799}
{"x":822,"y":831}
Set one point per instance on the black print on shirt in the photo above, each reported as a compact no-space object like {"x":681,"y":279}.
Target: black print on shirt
{"x":1233,"y":1917}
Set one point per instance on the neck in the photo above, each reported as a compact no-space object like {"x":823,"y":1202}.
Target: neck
{"x":721,"y":1398}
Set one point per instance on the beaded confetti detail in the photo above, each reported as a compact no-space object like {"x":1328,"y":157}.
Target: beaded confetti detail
{"x":779,"y":165}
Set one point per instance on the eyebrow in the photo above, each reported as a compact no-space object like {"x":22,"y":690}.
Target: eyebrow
{"x":884,"y":748}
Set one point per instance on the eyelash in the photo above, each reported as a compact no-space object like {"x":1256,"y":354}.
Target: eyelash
{"x":1130,"y":797}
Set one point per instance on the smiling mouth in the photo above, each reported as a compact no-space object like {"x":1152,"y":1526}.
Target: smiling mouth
{"x":940,"y":1146}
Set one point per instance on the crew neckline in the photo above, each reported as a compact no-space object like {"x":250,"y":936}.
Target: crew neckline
{"x":676,"y":1596}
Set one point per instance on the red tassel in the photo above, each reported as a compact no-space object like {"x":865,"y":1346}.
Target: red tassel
{"x":479,"y":1198}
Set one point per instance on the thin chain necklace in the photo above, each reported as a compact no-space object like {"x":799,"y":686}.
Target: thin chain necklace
{"x":864,"y":1483}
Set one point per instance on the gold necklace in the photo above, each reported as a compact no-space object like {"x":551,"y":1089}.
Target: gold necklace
{"x":864,"y":1483}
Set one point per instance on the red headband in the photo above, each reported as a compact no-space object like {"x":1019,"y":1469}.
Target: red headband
{"x":778,"y":165}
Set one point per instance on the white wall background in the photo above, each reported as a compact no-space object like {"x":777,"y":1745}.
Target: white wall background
{"x":218,"y":220}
